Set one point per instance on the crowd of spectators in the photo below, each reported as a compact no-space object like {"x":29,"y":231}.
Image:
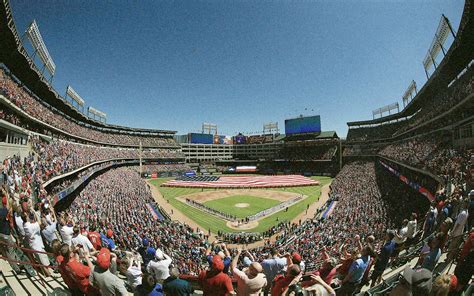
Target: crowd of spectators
{"x":433,"y":153}
{"x":382,"y":131}
{"x":431,"y":108}
{"x":111,"y":210}
{"x":116,"y":200}
{"x":358,"y":150}
{"x":58,"y":156}
{"x":308,"y":152}
{"x":442,"y":101}
{"x":244,"y":238}
{"x":33,"y":106}
{"x":413,"y":151}
{"x":76,"y":180}
{"x":165,"y":168}
{"x":361,"y":208}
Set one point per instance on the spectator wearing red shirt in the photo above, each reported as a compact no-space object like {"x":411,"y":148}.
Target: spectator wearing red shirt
{"x":77,"y":271}
{"x":347,"y":260}
{"x":282,"y":283}
{"x":214,"y":282}
{"x":327,"y":271}
{"x":58,"y":249}
{"x":467,"y":246}
{"x":94,"y":237}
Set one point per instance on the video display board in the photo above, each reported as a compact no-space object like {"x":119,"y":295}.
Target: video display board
{"x":301,"y":125}
{"x":196,"y":138}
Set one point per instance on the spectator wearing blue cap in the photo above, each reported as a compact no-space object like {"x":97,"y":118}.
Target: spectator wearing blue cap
{"x":146,"y":251}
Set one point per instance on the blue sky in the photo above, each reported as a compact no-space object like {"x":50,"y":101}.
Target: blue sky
{"x":239,"y":64}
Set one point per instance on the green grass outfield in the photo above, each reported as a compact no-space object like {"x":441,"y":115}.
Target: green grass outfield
{"x":207,"y":221}
{"x":227,"y":205}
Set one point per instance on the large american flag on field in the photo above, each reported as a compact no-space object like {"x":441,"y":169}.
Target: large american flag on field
{"x":247,"y":182}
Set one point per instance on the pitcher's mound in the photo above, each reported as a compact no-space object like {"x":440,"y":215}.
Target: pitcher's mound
{"x":241,"y":205}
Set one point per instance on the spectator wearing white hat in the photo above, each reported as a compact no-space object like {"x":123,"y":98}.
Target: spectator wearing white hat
{"x":159,"y":266}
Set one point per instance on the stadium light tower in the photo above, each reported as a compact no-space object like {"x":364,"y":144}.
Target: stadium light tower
{"x":408,"y":95}
{"x":209,"y":128}
{"x":388,"y":108}
{"x":441,"y":35}
{"x":75,"y":97}
{"x":270,"y":127}
{"x":34,"y":35}
{"x":96,"y":114}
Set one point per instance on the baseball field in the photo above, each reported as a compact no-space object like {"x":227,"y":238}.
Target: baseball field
{"x":240,"y":203}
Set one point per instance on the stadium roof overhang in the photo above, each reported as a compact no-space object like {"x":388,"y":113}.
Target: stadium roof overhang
{"x":15,"y":57}
{"x":459,"y":55}
{"x":328,"y":135}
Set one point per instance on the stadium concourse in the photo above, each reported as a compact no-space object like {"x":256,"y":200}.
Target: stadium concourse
{"x":77,"y":217}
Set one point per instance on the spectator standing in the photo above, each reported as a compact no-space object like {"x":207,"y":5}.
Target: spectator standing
{"x":149,"y":287}
{"x":132,"y":269}
{"x":146,"y":251}
{"x":6,"y":235}
{"x":326,"y":272}
{"x":411,"y":228}
{"x":320,"y":287}
{"x":175,"y":286}
{"x":273,"y":266}
{"x":107,"y":239}
{"x":400,"y":238}
{"x":64,"y":248}
{"x":94,"y":238}
{"x":430,"y":260}
{"x":251,"y":281}
{"x":352,"y":280}
{"x":159,"y":266}
{"x":457,"y":231}
{"x":81,"y":241}
{"x":464,"y":271}
{"x":214,"y":282}
{"x":66,"y":231}
{"x":413,"y":282}
{"x":108,"y":283}
{"x":77,"y":271}
{"x":33,"y":236}
{"x":223,"y":253}
{"x":48,"y":230}
{"x":282,"y":283}
{"x":383,"y":258}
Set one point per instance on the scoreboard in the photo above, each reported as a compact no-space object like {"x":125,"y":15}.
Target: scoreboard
{"x":301,"y":125}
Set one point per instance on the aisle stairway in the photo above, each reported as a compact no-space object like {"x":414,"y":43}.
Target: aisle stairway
{"x":23,"y":284}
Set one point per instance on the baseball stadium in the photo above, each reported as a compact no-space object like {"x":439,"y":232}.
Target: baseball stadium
{"x":273,"y":157}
